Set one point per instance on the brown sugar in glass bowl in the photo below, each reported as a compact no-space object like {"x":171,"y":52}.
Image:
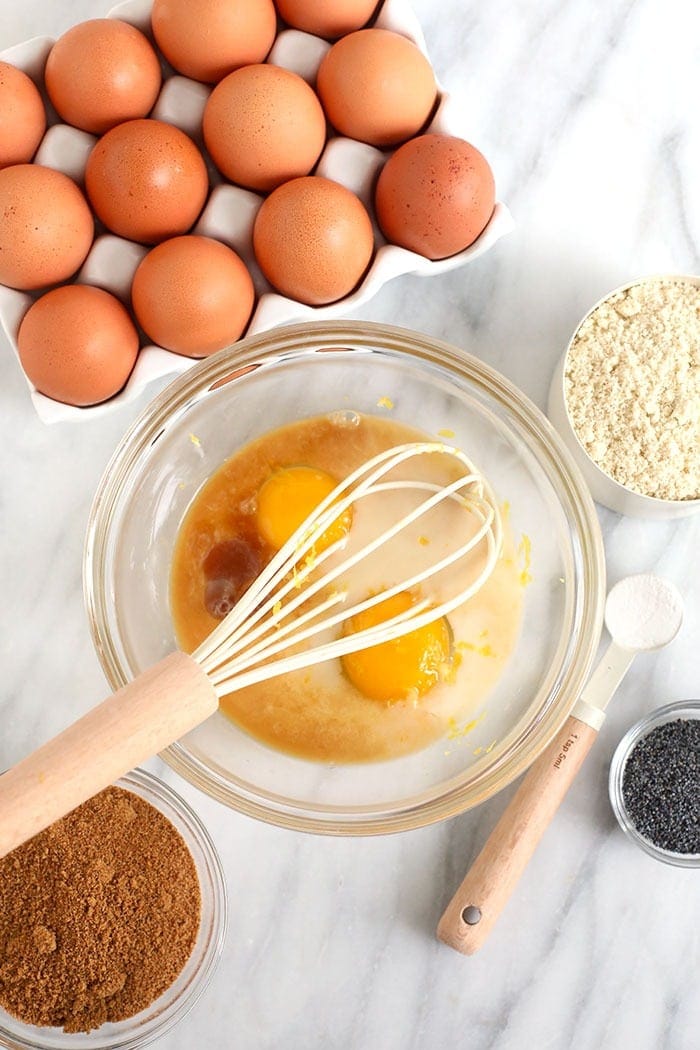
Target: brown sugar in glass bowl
{"x":149,"y":940}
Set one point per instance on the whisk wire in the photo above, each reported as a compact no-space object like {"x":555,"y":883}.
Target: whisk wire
{"x":244,"y":648}
{"x":268,"y":647}
{"x":303,"y":539}
{"x":288,"y":557}
{"x":420,"y":614}
{"x":243,"y":638}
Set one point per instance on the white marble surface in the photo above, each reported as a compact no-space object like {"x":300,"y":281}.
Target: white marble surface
{"x":588,"y":112}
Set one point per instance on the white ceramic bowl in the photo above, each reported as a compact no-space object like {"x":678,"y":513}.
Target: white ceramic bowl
{"x":230,"y":211}
{"x":605,"y":489}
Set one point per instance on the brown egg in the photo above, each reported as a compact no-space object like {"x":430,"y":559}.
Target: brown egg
{"x":324,"y":19}
{"x":207,"y":39}
{"x":376,"y":86}
{"x":46,"y":229}
{"x":313,"y":240}
{"x":77,"y":344}
{"x":22,"y":116}
{"x":146,"y":180}
{"x":101,"y":73}
{"x":263,"y":126}
{"x":192,"y":295}
{"x":435,"y":195}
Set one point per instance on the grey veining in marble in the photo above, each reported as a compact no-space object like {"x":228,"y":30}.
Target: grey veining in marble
{"x":588,"y":113}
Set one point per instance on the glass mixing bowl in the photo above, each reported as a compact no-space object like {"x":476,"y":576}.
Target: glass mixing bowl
{"x":290,"y":373}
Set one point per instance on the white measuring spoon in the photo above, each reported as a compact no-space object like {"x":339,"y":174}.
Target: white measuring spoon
{"x":642,"y":613}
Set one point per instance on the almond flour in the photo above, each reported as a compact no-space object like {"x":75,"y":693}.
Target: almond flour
{"x":632,"y":387}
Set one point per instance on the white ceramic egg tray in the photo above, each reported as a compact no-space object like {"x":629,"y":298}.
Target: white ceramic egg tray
{"x":230,"y":211}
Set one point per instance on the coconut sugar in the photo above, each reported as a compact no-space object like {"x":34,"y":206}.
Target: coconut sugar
{"x":98,"y":915}
{"x":632,"y":387}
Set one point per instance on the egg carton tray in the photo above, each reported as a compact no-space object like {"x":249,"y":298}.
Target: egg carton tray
{"x":229,"y":213}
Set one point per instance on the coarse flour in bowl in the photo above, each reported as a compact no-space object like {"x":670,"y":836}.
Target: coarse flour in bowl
{"x":632,"y":387}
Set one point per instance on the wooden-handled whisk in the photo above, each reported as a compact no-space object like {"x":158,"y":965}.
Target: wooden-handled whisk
{"x":301,"y":594}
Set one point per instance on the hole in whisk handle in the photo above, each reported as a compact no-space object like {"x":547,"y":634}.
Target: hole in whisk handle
{"x":471,"y":915}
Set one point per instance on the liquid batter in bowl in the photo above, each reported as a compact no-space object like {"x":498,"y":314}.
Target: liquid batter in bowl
{"x":410,"y":694}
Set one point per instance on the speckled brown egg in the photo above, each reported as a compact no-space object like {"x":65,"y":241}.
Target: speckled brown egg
{"x":146,"y":181}
{"x":435,"y":195}
{"x":263,"y":126}
{"x":207,"y":39}
{"x":78,"y":345}
{"x":101,"y":73}
{"x":46,"y":229}
{"x":22,"y":116}
{"x":324,"y":19}
{"x":192,"y":295}
{"x":376,"y":86}
{"x":313,"y":240}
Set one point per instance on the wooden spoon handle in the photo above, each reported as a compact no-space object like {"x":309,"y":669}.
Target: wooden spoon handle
{"x":475,"y":907}
{"x":135,"y":723}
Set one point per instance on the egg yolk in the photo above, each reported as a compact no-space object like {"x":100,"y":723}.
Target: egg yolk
{"x":288,"y":497}
{"x":409,"y":665}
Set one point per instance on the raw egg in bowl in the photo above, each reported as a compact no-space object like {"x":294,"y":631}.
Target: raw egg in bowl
{"x":254,"y":437}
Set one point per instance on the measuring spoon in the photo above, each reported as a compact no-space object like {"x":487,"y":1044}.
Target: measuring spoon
{"x":642,"y":613}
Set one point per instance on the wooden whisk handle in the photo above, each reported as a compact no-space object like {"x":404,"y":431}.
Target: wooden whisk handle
{"x":153,"y":711}
{"x":475,"y":907}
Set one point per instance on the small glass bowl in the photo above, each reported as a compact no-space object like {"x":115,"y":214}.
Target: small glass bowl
{"x":170,"y":1008}
{"x":669,"y":713}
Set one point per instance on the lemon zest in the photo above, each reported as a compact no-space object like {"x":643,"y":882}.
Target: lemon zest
{"x":310,"y":560}
{"x":525,"y":551}
{"x":456,"y":732}
{"x":480,"y":650}
{"x":448,"y":670}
